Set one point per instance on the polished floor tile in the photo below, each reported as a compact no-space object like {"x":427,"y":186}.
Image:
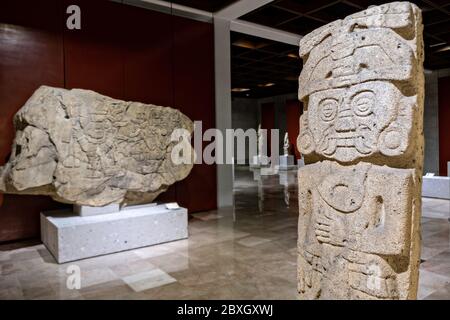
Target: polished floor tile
{"x":205,"y":216}
{"x":245,"y":252}
{"x":148,"y":280}
{"x":252,"y":241}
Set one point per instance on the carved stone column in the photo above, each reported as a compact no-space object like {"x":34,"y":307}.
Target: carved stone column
{"x":362,"y":85}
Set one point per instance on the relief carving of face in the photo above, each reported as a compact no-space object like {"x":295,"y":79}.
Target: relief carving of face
{"x":350,"y":123}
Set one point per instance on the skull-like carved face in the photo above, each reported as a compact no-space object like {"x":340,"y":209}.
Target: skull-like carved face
{"x":349,"y":123}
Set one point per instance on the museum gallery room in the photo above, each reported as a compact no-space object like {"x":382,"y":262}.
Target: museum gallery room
{"x":224,"y":150}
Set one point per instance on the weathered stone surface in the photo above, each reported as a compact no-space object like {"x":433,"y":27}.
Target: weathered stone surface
{"x":361,"y":136}
{"x":81,"y":147}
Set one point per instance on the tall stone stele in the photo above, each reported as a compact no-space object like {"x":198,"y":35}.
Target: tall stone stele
{"x":361,"y":134}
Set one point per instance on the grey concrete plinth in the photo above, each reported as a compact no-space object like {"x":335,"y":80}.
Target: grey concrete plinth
{"x":286,"y":160}
{"x":436,"y":187}
{"x":287,"y":163}
{"x":287,"y":178}
{"x":263,"y":172}
{"x":256,"y":174}
{"x":70,"y":237}
{"x":269,"y":171}
{"x":260,"y":161}
{"x":301,"y":162}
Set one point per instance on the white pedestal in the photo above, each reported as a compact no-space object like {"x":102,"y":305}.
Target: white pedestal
{"x":287,"y":178}
{"x":436,"y":187}
{"x":287,"y":162}
{"x":301,"y":162}
{"x":256,"y":175}
{"x":260,"y":161}
{"x":269,"y":171}
{"x":69,"y":237}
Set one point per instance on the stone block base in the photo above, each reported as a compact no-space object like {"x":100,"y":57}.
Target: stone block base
{"x":287,"y":162}
{"x":436,"y":187}
{"x":287,"y":178}
{"x":260,"y":161}
{"x":69,"y":237}
{"x":301,"y":162}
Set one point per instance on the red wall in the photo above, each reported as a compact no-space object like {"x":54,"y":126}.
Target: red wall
{"x":194,"y":95}
{"x":121,"y":51}
{"x":444,"y":121}
{"x":30,"y":55}
{"x":294,"y":110}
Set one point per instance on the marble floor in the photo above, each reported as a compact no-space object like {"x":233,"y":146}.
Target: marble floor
{"x":248,"y":252}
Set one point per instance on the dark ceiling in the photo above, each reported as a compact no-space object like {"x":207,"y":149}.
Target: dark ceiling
{"x":206,"y":5}
{"x":257,"y":62}
{"x":303,"y":16}
{"x":265,"y":67}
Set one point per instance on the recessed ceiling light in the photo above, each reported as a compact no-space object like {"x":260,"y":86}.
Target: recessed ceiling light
{"x":248,"y":44}
{"x":264,"y":85}
{"x":437,"y":44}
{"x":446,"y":48}
{"x":240,"y":89}
{"x":293,"y":56}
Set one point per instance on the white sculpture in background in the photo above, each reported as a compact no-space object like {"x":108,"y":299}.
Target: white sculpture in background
{"x":261,"y":159}
{"x":260,"y":142}
{"x":286,"y":160}
{"x":286,"y":144}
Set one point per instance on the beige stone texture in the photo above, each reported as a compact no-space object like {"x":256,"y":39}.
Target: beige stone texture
{"x":80,"y":147}
{"x":361,"y":134}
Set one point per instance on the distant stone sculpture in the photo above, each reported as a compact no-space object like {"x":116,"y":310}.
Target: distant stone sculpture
{"x":80,"y":147}
{"x":361,"y":135}
{"x":260,"y":141}
{"x":261,"y":159}
{"x":286,"y":144}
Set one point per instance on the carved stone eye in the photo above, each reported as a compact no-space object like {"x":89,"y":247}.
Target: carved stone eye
{"x":362,"y":103}
{"x":328,"y":109}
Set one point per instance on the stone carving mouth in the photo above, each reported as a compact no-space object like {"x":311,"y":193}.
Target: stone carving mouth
{"x":348,"y":139}
{"x":344,"y":141}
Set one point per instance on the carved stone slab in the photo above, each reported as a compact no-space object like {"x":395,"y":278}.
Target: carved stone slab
{"x":362,"y":139}
{"x":81,"y":147}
